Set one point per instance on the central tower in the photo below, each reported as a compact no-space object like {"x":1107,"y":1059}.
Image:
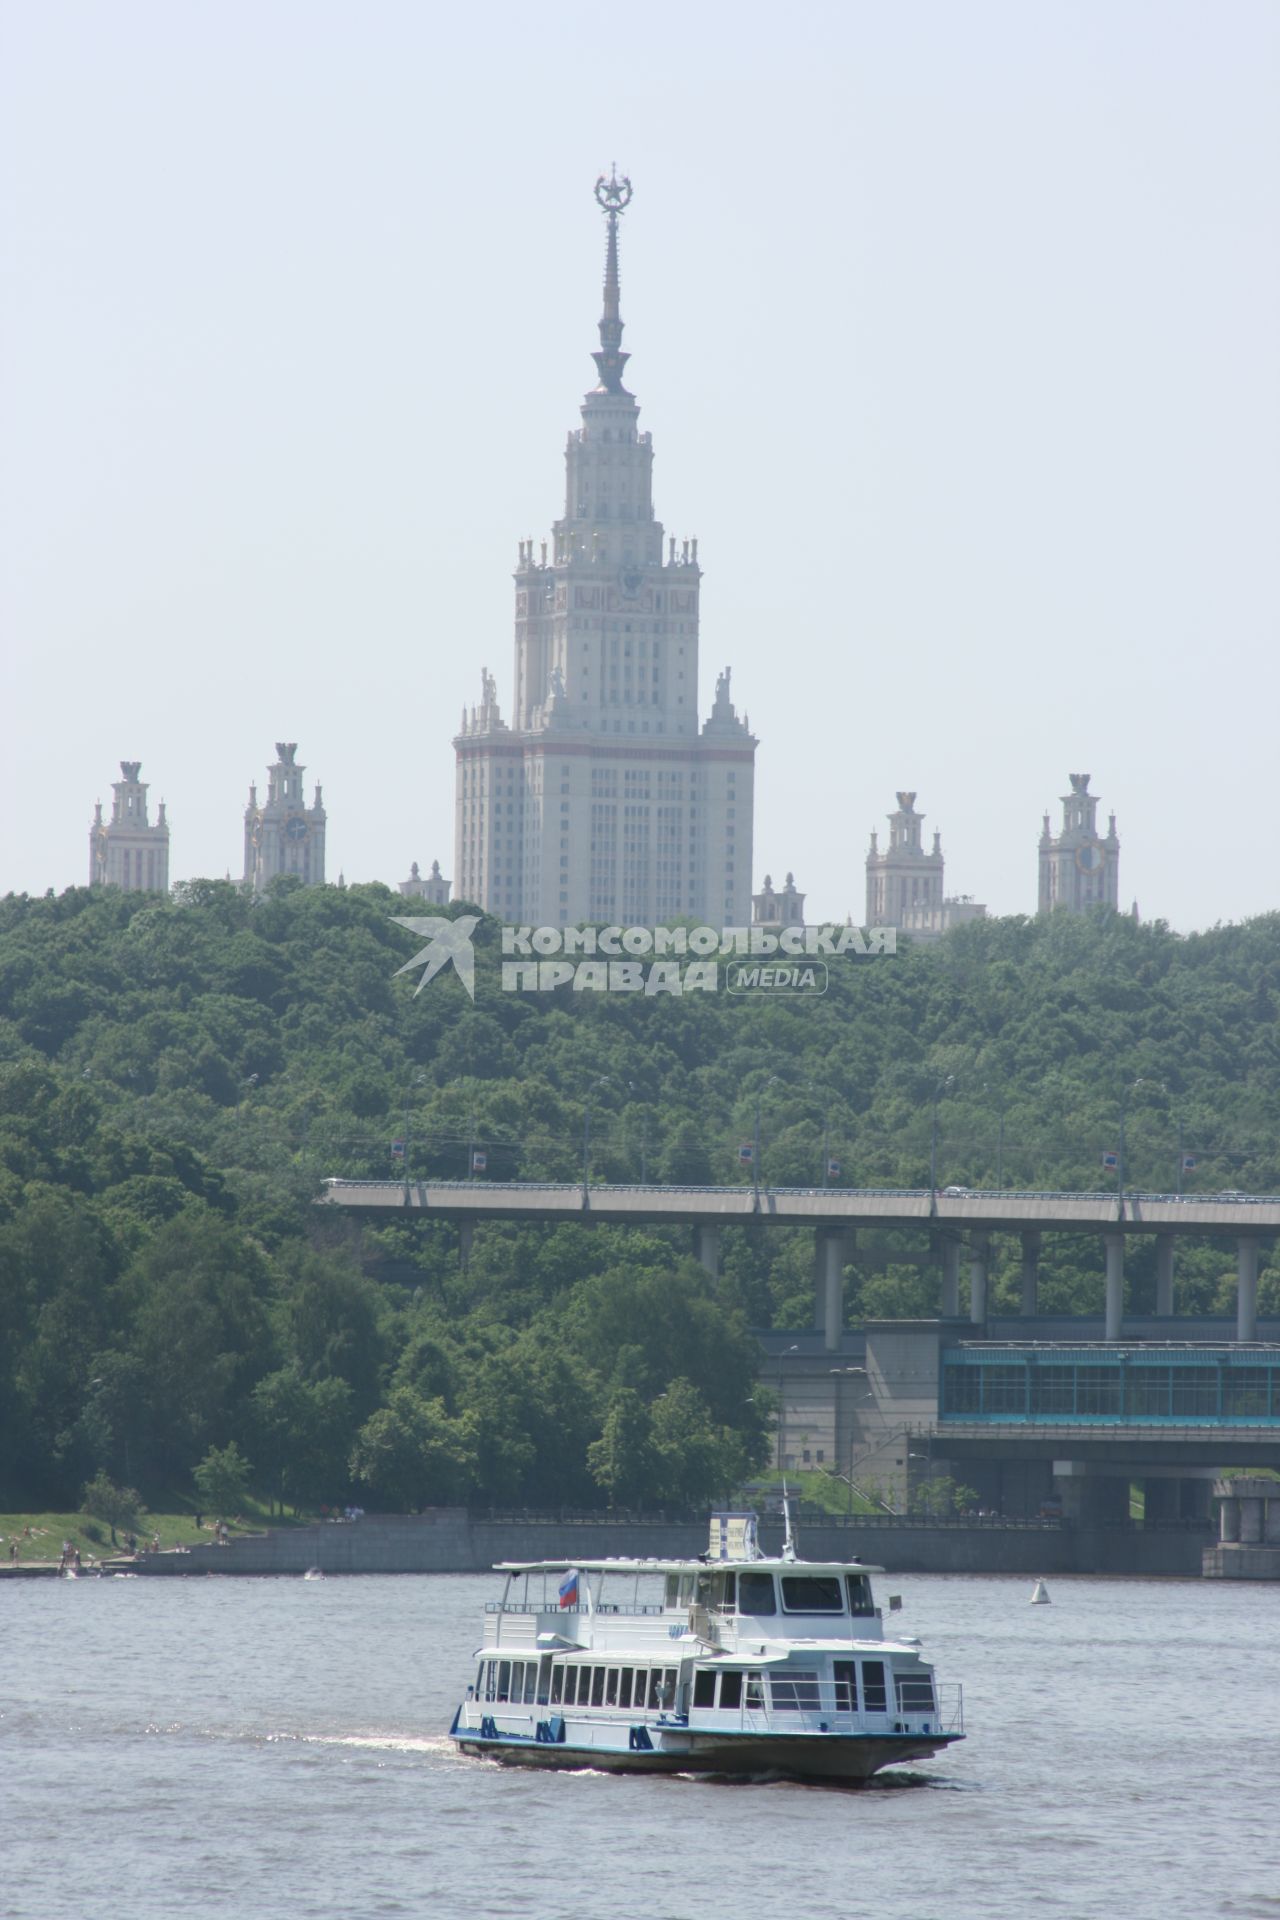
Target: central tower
{"x":605,"y":800}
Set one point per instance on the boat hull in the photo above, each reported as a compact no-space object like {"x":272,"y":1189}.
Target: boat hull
{"x":847,"y":1757}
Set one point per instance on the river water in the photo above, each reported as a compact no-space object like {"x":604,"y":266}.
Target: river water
{"x":224,"y":1747}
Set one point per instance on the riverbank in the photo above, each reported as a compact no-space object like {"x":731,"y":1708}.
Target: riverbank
{"x":449,"y":1540}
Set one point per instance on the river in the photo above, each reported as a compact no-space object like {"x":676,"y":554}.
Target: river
{"x":219,"y":1747}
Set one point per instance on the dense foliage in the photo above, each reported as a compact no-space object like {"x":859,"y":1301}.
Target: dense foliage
{"x":176,"y":1076}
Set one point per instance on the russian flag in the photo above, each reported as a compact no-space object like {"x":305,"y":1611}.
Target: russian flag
{"x":569,"y":1588}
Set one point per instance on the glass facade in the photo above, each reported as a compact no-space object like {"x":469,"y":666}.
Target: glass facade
{"x":1117,"y":1386}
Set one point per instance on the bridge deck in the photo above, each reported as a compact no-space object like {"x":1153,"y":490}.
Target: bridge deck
{"x":809,"y":1206}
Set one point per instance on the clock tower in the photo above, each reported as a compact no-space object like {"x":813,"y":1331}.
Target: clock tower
{"x":1079,"y":867}
{"x":284,"y":835}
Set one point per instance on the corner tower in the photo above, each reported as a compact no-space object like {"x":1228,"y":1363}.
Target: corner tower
{"x":127,"y":851}
{"x":1079,"y":867}
{"x":606,"y":799}
{"x":285,"y":835}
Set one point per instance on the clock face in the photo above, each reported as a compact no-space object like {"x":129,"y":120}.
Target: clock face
{"x":1089,"y":858}
{"x":295,"y":827}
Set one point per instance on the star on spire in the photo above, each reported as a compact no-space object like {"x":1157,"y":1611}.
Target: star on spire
{"x":614,"y":196}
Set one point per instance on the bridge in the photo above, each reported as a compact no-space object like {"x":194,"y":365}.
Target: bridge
{"x":957,"y":1219}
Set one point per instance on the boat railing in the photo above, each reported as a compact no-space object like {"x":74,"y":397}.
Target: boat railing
{"x":612,"y":1608}
{"x":950,"y":1695}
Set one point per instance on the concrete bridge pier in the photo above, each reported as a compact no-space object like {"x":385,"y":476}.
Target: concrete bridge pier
{"x":1161,"y":1499}
{"x":833,"y":1248}
{"x":979,"y":1256}
{"x":707,"y":1245}
{"x":1114,"y":1244}
{"x":1247,"y":1250}
{"x":1091,"y":1499}
{"x":950,"y":1277}
{"x":1164,"y":1275}
{"x":1030,"y":1303}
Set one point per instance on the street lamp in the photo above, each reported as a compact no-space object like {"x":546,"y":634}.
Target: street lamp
{"x":943,"y":1086}
{"x":644,"y":1139}
{"x":782,"y":1409}
{"x":1124,"y":1109}
{"x":772,"y":1081}
{"x":1000,"y":1095}
{"x":592,"y":1090}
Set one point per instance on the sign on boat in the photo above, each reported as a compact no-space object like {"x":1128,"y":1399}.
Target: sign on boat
{"x":734,"y":1662}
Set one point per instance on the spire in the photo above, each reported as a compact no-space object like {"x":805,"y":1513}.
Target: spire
{"x":614,"y":196}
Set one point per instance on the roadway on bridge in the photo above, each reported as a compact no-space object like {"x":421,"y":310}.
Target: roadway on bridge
{"x":811,"y":1207}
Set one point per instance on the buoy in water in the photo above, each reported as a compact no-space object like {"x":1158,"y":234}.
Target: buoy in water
{"x":1039,"y":1594}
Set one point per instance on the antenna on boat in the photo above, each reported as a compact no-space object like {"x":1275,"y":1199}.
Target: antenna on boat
{"x":788,"y":1531}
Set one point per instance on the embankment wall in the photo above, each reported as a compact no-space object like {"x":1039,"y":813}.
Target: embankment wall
{"x":449,"y":1540}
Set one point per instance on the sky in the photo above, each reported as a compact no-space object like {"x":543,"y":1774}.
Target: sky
{"x":954,"y":325}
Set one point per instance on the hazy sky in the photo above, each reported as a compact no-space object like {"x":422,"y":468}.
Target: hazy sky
{"x":955,"y":326}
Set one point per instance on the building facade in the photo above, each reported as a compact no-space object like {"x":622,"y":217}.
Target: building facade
{"x":434,"y":889}
{"x":1079,"y":867}
{"x":905,"y":884}
{"x":284,"y":835}
{"x":127,"y":851}
{"x":604,"y":799}
{"x":775,"y":907}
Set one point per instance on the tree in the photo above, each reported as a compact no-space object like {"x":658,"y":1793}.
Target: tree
{"x":694,"y":1460}
{"x":302,"y":1433}
{"x":222,"y":1479}
{"x":621,"y":1460}
{"x":116,"y":1506}
{"x":412,"y":1454}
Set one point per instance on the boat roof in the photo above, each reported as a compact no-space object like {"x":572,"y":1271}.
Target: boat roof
{"x":764,"y":1563}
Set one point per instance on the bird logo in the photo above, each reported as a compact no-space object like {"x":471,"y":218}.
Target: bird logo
{"x":446,"y":940}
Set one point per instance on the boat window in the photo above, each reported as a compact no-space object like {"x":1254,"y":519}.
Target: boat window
{"x":624,"y":1687}
{"x":874,"y":1697}
{"x":557,"y":1685}
{"x":729,"y":1598}
{"x":794,"y":1692}
{"x":755,"y":1593}
{"x":544,"y":1679}
{"x":703,"y":1588}
{"x":611,"y":1688}
{"x":846,"y":1686}
{"x":755,"y":1691}
{"x":730,"y":1689}
{"x":812,"y":1593}
{"x":504,"y":1679}
{"x":704,"y":1687}
{"x":531,"y":1680}
{"x":597,"y":1686}
{"x":686,"y":1588}
{"x":860,"y":1600}
{"x":662,"y":1688}
{"x":673,"y":1590}
{"x":915,"y":1692}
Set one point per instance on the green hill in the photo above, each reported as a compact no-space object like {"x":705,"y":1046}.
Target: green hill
{"x":177,"y":1075}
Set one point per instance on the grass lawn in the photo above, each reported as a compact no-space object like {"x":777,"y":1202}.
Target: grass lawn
{"x":821,"y":1490}
{"x":93,"y":1537}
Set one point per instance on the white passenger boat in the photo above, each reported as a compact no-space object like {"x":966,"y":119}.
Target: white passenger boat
{"x":733,"y":1662}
